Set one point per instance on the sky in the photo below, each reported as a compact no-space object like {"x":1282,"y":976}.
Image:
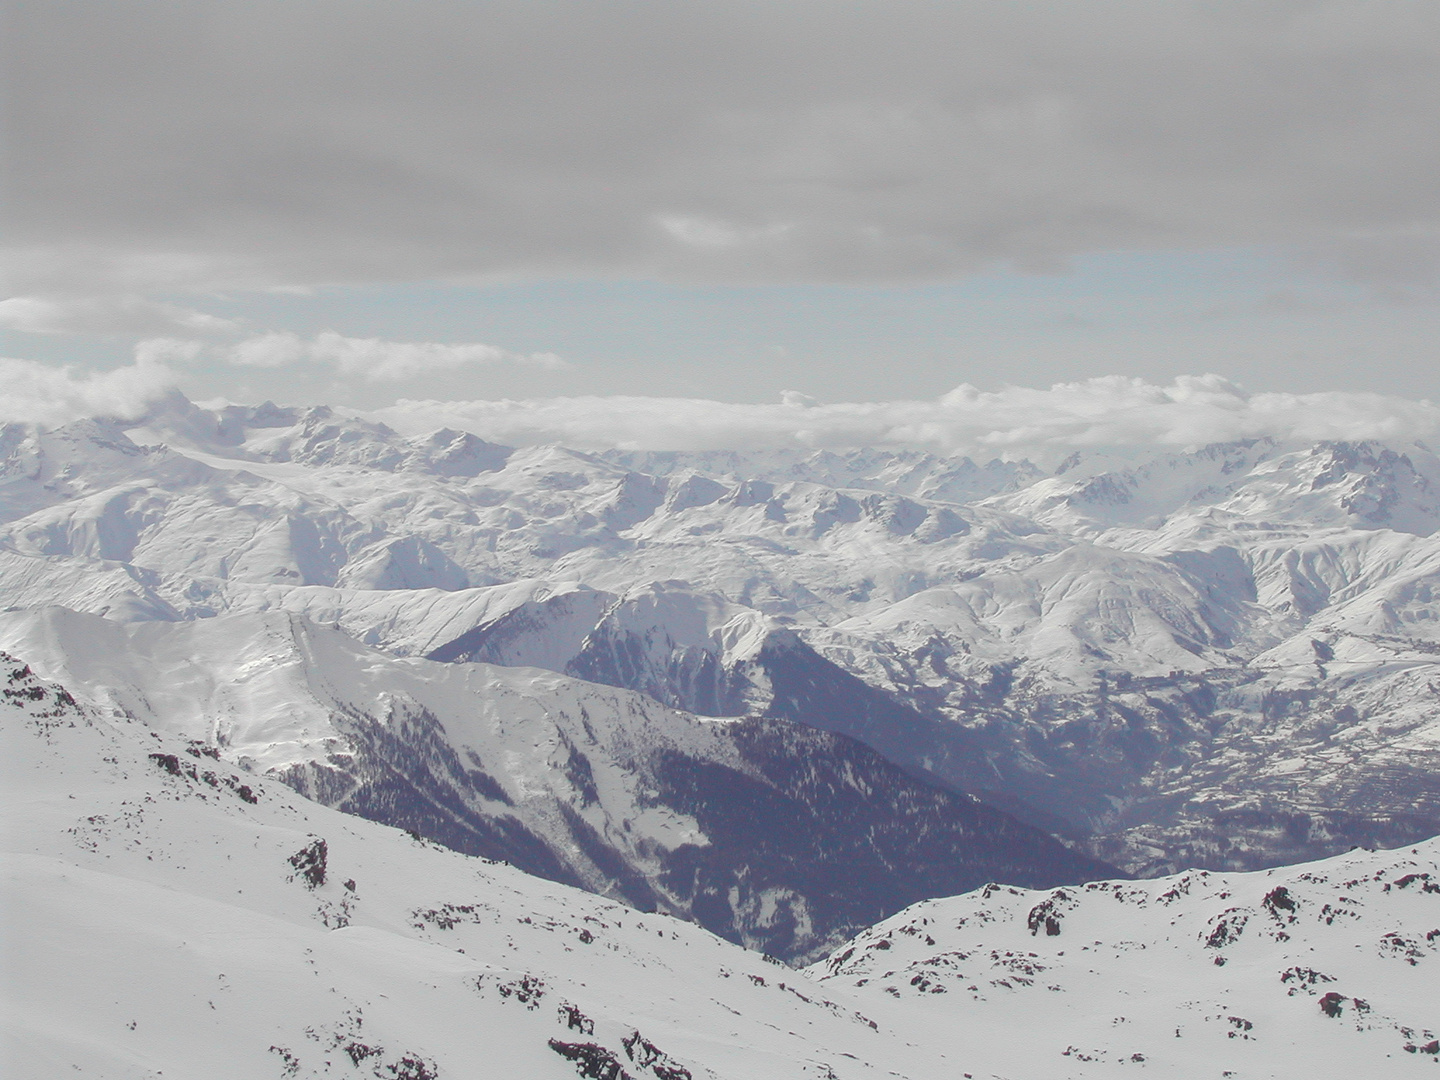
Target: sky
{"x":388,"y":205}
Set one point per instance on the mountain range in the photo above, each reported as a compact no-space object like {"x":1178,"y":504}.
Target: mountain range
{"x":1221,"y":656}
{"x":335,"y":750}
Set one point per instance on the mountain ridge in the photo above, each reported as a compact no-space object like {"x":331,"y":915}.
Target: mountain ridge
{"x":767,"y":832}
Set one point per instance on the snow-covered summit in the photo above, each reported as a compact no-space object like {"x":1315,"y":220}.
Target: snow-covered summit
{"x":169,"y":914}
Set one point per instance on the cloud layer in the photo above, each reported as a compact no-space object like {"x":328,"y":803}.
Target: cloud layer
{"x":202,"y":144}
{"x":1014,"y":421}
{"x":105,"y":315}
{"x":372,"y":359}
{"x":40,"y":394}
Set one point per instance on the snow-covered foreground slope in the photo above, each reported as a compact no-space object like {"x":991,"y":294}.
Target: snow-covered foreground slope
{"x":167,"y":915}
{"x":768,"y":832}
{"x":170,"y":915}
{"x":1328,"y":969}
{"x":1220,"y":655}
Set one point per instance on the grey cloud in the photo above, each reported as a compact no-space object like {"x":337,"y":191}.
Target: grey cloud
{"x":207,"y":145}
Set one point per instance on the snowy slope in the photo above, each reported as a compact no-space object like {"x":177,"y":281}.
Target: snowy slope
{"x":768,"y":832}
{"x":907,"y":472}
{"x":257,"y":514}
{"x":1365,"y":485}
{"x":1326,"y":969}
{"x":170,"y":915}
{"x":702,"y":653}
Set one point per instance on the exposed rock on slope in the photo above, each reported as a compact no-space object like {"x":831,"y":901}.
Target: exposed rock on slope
{"x":770,"y":833}
{"x":1325,"y":969}
{"x":169,"y":914}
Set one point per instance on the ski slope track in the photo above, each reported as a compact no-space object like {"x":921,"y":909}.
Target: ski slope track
{"x":1223,"y":656}
{"x":170,"y":914}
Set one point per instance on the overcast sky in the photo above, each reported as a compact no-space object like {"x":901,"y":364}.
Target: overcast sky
{"x":361,"y":202}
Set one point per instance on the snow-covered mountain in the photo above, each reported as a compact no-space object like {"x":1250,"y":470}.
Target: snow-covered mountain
{"x":1324,"y":969}
{"x":768,"y":832}
{"x":1220,"y":655}
{"x":169,"y":914}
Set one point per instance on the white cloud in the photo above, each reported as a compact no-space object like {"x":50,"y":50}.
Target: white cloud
{"x":1042,"y":424}
{"x":40,"y":394}
{"x":166,"y":351}
{"x":372,"y":359}
{"x":378,"y":360}
{"x":699,"y":232}
{"x":105,"y":315}
{"x":1014,"y":421}
{"x":269,"y":350}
